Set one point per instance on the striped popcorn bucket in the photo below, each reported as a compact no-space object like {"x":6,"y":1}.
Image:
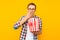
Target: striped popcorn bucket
{"x":33,"y":24}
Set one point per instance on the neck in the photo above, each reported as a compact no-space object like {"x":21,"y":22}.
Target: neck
{"x":33,"y":15}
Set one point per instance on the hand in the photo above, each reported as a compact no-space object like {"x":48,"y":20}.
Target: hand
{"x":35,"y":33}
{"x":29,"y":15}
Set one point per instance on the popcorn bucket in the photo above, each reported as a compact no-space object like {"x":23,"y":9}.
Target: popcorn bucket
{"x":33,"y":24}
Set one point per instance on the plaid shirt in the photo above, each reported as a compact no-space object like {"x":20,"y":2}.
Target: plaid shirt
{"x":24,"y":29}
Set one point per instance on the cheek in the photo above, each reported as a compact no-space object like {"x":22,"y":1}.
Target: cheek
{"x":33,"y":10}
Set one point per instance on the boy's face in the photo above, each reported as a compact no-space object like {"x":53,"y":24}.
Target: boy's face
{"x":31,"y":9}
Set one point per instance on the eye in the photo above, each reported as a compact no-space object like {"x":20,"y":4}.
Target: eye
{"x":31,"y":8}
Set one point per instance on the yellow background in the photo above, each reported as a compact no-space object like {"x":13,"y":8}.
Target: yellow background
{"x":12,"y":10}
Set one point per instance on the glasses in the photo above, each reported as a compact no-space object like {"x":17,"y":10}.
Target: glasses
{"x":31,"y":8}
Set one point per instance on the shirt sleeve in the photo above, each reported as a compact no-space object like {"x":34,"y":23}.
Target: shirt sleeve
{"x":40,"y":22}
{"x":17,"y":24}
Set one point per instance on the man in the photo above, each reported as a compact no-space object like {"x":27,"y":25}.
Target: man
{"x":31,"y":8}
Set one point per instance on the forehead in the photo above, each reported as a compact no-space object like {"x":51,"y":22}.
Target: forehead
{"x":31,"y":6}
